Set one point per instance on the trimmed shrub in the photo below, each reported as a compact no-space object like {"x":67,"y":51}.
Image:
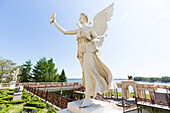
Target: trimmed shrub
{"x":2,"y":106}
{"x":24,"y":109}
{"x":10,"y":92}
{"x":39,"y":111}
{"x":41,"y":105}
{"x":6,"y":109}
{"x":12,"y":101}
{"x":11,"y":89}
{"x":36,"y":104}
{"x":33,"y":109}
{"x":34,"y":98}
{"x":3,"y":92}
{"x":6,"y":97}
{"x":17,"y":101}
{"x":26,"y":96}
{"x":51,"y":109}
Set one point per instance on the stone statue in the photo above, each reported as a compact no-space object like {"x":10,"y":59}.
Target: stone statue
{"x":97,"y":78}
{"x":15,"y":75}
{"x":130,"y":77}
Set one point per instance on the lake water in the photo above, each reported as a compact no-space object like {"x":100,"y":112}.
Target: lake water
{"x":119,"y":81}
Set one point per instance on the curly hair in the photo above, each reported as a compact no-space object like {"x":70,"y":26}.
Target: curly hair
{"x":83,"y":14}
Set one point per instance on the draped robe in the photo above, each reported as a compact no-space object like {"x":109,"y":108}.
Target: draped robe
{"x":97,"y":77}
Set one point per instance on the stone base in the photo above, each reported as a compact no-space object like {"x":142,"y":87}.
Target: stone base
{"x":96,"y":107}
{"x":17,"y":96}
{"x":12,"y":84}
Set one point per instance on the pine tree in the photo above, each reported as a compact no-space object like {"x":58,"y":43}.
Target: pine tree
{"x":25,"y":72}
{"x":44,"y":71}
{"x":40,"y":70}
{"x":62,"y":77}
{"x":52,"y":76}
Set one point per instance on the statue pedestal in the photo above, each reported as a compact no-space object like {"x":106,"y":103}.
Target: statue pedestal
{"x":96,"y":107}
{"x":17,"y":96}
{"x":12,"y":84}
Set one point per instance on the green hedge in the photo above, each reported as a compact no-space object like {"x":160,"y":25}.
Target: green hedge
{"x":40,"y":111}
{"x":34,"y":98}
{"x":12,"y":101}
{"x":51,"y":109}
{"x":41,"y":105}
{"x":25,"y":107}
{"x":11,"y":89}
{"x":10,"y":92}
{"x":6,"y":97}
{"x":33,"y":103}
{"x":7,"y":89}
{"x":2,"y":106}
{"x":37,"y":104}
{"x":6,"y":109}
{"x":26,"y":96}
{"x":3,"y":92}
{"x":30,"y":108}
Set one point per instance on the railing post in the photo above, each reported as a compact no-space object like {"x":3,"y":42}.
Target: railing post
{"x":46,"y":95}
{"x":53,"y":101}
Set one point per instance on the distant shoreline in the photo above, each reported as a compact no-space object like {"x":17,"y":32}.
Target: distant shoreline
{"x":114,"y":79}
{"x":120,"y":79}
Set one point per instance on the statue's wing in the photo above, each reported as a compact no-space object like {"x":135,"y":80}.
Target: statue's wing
{"x":100,"y":23}
{"x":100,"y":20}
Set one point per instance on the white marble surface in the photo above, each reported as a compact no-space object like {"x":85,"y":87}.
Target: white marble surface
{"x":63,"y":111}
{"x":97,"y":77}
{"x":96,"y":107}
{"x":12,"y":84}
{"x":17,"y":96}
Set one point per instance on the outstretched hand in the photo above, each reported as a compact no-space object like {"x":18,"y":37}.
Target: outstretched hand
{"x":52,"y":18}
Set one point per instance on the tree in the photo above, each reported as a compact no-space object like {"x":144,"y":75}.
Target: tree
{"x":165,"y":79}
{"x":62,"y":77}
{"x":25,"y":72}
{"x":52,"y":76}
{"x":153,"y":79}
{"x":6,"y":67}
{"x":44,"y":71}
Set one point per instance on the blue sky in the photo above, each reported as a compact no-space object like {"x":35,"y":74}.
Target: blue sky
{"x":137,"y":43}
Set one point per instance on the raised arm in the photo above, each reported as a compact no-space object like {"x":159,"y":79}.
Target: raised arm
{"x":53,"y":20}
{"x":71,"y":32}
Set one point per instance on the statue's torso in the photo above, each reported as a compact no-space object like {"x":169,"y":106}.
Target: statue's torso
{"x":82,"y":40}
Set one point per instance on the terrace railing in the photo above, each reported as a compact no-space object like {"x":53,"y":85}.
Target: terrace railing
{"x":53,"y":98}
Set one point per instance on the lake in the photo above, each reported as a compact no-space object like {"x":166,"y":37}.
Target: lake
{"x":119,"y":81}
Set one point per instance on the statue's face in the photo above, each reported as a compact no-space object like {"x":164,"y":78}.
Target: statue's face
{"x":82,"y":19}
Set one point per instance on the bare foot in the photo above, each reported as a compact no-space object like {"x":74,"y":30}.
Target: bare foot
{"x":86,"y":102}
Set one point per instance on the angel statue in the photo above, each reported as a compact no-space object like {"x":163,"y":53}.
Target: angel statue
{"x":97,"y":78}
